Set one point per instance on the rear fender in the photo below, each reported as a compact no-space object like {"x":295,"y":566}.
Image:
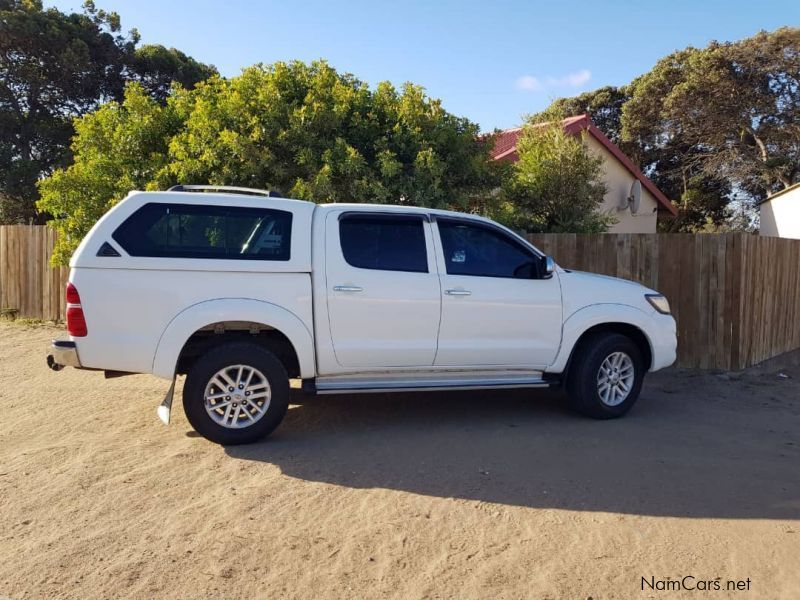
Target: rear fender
{"x":202,"y":314}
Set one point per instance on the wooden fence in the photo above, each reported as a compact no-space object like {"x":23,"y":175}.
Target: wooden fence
{"x":736,"y":297}
{"x":29,"y":287}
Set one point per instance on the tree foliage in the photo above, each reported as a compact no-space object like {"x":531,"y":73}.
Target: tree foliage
{"x":55,"y":66}
{"x":738,"y":105}
{"x":157,"y":68}
{"x":118,"y":148}
{"x":710,"y":125}
{"x":304,"y":130}
{"x":603,"y":105}
{"x":557,"y":185}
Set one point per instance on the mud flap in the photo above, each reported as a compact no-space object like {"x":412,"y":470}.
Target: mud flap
{"x":165,"y":408}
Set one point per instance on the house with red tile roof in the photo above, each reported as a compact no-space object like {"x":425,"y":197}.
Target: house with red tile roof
{"x":620,"y":175}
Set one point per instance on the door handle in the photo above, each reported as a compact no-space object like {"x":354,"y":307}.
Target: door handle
{"x":458,"y":292}
{"x":347,"y":288}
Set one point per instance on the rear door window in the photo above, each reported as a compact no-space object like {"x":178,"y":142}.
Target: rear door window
{"x":384,"y":242}
{"x":198,"y":231}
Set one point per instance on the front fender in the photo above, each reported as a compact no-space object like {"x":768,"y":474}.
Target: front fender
{"x":202,"y":314}
{"x":597,"y":314}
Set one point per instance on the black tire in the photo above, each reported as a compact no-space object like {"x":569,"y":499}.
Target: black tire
{"x":213,"y":361}
{"x":582,"y":385}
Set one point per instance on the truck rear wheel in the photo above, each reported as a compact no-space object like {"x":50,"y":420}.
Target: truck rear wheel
{"x":236,"y":393}
{"x":606,"y":376}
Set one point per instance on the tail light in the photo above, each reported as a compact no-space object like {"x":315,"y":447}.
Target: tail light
{"x":76,"y":322}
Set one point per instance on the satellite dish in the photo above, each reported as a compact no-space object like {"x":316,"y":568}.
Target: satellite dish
{"x":634,"y":199}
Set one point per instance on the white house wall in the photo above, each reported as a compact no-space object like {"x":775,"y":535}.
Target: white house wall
{"x":780,"y":217}
{"x":618,"y":180}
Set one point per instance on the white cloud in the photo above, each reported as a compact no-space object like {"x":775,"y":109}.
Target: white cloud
{"x":530,"y":83}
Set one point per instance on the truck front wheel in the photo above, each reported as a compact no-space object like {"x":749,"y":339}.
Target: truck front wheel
{"x":236,"y":393}
{"x":605,"y":376}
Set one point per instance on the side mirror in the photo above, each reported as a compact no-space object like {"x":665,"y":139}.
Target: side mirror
{"x":549,"y":266}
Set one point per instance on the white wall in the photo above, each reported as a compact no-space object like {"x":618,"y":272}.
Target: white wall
{"x":780,"y":216}
{"x":618,"y":180}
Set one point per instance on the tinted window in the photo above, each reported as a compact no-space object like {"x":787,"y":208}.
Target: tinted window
{"x":197,"y":231}
{"x":484,"y":252}
{"x":384,"y":243}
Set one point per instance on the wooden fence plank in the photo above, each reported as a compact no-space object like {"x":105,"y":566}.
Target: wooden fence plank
{"x":3,"y":278}
{"x":733,"y":312}
{"x":717,"y":293}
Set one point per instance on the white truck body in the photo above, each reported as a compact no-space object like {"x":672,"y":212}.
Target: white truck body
{"x":350,"y":328}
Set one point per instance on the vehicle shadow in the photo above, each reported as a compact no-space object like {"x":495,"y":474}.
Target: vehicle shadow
{"x":688,"y":449}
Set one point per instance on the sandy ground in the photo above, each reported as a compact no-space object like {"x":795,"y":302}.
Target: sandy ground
{"x":479,"y":495}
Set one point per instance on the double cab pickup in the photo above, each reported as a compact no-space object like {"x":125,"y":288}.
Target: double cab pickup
{"x":241,"y":291}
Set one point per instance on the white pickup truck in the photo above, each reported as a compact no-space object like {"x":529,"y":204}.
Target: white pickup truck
{"x":241,"y":292}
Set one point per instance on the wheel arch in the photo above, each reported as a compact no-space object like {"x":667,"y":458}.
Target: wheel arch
{"x":626,"y":320}
{"x":275,"y":327}
{"x":260,"y":334}
{"x":632,"y":332}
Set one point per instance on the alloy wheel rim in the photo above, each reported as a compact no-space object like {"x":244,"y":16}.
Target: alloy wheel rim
{"x":237,"y":396}
{"x":615,"y":378}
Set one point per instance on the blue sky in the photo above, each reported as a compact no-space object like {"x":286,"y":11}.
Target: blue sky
{"x":492,"y":62}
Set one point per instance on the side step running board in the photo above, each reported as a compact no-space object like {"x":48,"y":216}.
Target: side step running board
{"x":423,"y":385}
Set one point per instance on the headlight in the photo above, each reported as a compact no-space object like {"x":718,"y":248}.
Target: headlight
{"x":659,"y":302}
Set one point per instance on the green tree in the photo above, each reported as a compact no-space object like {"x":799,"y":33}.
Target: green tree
{"x":703,"y":123}
{"x":55,"y":66}
{"x":742,"y":100}
{"x":157,"y":68}
{"x":52,"y":66}
{"x":313,"y":133}
{"x":118,"y":148}
{"x":557,"y":185}
{"x":304,"y":130}
{"x":708,"y":121}
{"x":603,"y":105}
{"x":667,"y":154}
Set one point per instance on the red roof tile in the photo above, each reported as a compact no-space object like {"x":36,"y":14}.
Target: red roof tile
{"x":504,"y":142}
